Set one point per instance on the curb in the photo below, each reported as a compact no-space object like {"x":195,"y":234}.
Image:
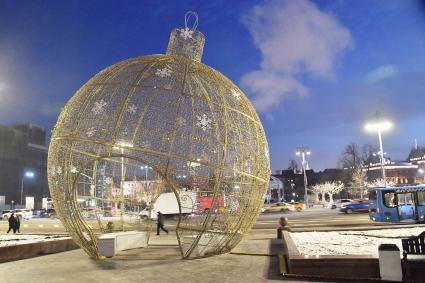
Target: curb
{"x":24,"y":251}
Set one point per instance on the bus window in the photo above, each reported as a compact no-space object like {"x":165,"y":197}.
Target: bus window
{"x":421,"y":198}
{"x":372,"y":195}
{"x":389,"y":198}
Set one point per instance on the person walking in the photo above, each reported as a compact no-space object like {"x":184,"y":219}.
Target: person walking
{"x":160,"y":223}
{"x":17,"y":224}
{"x":12,"y":223}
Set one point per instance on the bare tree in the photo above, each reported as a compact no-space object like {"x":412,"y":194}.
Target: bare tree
{"x":333,"y":188}
{"x":293,"y":165}
{"x":351,"y":157}
{"x":148,"y":191}
{"x":359,"y":184}
{"x":318,"y":189}
{"x":367,"y":155}
{"x":329,"y":188}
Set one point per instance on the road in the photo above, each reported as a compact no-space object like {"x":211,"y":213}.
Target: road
{"x":311,"y":219}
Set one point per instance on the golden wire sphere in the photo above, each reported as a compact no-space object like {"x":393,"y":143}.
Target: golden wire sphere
{"x":157,"y":124}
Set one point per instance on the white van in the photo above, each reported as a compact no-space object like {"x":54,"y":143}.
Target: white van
{"x":167,"y":204}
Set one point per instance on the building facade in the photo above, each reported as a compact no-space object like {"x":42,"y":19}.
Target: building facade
{"x":23,"y":150}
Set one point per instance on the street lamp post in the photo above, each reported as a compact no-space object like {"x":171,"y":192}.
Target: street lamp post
{"x":422,"y":173}
{"x":378,"y":126}
{"x":303,"y":151}
{"x":26,"y":175}
{"x":121,"y":146}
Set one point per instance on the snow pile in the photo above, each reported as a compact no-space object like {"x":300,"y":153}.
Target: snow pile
{"x":350,"y":242}
{"x":19,"y":239}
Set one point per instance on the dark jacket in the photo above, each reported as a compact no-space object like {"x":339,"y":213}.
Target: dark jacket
{"x":160,"y":218}
{"x":13,"y":221}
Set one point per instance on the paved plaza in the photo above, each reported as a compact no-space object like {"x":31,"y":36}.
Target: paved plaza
{"x":251,"y":261}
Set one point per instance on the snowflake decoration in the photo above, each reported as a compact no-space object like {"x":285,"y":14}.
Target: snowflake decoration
{"x":52,"y":170}
{"x":186,"y":33}
{"x":145,"y":144}
{"x":91,"y":132}
{"x":236,"y":94}
{"x":99,"y":107}
{"x":204,"y":122}
{"x":108,"y":180}
{"x":181,"y":121}
{"x":164,"y":72}
{"x":55,"y":170}
{"x":124,"y":132}
{"x":266,"y":152}
{"x":132,"y":109}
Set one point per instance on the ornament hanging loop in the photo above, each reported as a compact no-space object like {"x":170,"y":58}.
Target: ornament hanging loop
{"x":187,"y":17}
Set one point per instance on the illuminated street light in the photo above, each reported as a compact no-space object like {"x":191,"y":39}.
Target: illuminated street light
{"x":121,"y":146}
{"x":27,"y":174}
{"x":379,"y":125}
{"x":303,"y":151}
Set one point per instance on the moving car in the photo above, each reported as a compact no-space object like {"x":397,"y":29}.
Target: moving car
{"x":339,"y":203}
{"x":280,"y":206}
{"x":355,"y":206}
{"x":298,"y":206}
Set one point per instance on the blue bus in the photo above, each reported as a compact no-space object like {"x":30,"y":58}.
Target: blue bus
{"x":398,"y":204}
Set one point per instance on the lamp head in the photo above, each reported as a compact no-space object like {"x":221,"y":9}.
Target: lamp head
{"x":29,"y":174}
{"x":378,"y":126}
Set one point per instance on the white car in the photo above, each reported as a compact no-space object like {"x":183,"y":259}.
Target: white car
{"x":338,"y":203}
{"x":20,"y":213}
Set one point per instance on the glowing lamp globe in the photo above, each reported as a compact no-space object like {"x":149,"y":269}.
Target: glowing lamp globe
{"x":156,"y":125}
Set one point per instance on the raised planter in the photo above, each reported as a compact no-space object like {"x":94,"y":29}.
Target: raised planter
{"x":17,"y":252}
{"x":348,"y":266}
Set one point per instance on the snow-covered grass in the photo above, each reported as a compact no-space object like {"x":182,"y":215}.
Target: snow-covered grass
{"x":350,"y":242}
{"x":19,"y":239}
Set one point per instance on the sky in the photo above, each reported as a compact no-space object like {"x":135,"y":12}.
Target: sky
{"x":316,"y":71}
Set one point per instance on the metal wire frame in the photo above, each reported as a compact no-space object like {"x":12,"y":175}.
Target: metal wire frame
{"x":179,"y":117}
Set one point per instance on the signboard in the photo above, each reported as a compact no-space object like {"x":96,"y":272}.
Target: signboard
{"x":29,"y":202}
{"x":2,"y":202}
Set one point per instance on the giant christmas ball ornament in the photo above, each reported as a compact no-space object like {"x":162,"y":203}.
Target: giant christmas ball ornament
{"x":152,"y":126}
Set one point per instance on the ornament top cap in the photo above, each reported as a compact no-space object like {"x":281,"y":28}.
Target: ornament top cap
{"x":187,"y":41}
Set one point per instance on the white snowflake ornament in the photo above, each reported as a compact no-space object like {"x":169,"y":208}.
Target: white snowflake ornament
{"x":204,"y":122}
{"x":91,"y":132}
{"x":164,"y":72}
{"x":52,"y":170}
{"x":145,"y":144}
{"x":99,"y":107}
{"x":132,"y":109}
{"x":236,"y":94}
{"x":186,"y":33}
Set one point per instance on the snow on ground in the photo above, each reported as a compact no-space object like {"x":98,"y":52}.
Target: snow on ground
{"x":350,"y":242}
{"x":19,"y":239}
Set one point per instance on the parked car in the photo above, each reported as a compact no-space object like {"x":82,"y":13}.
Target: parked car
{"x":338,"y":203}
{"x":280,"y":206}
{"x":20,"y":213}
{"x":355,"y":206}
{"x":297,"y":206}
{"x":4,"y":212}
{"x":48,"y":213}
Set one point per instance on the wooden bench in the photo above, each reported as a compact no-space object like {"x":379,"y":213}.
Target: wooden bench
{"x":414,"y":245}
{"x":413,"y":268}
{"x":111,"y":243}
